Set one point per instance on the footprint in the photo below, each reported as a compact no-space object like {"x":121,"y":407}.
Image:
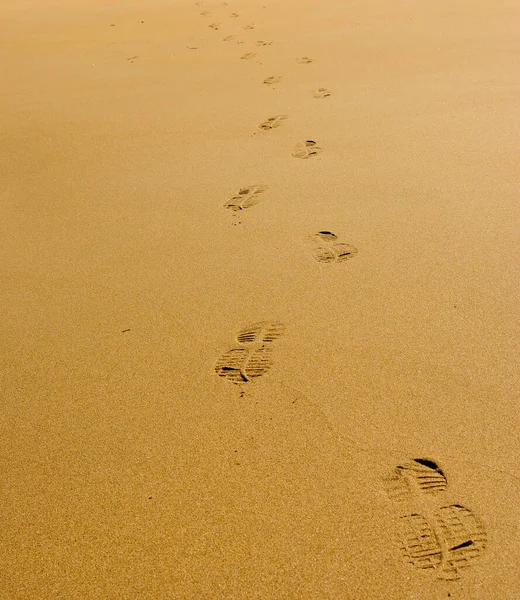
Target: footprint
{"x":272,"y":122}
{"x":272,"y":80}
{"x":321,"y":93}
{"x":234,"y":15}
{"x":205,"y":13}
{"x":248,"y":56}
{"x":229,"y":38}
{"x":443,"y":539}
{"x":262,"y":43}
{"x":215,"y":26}
{"x":304,"y":60}
{"x":248,"y":27}
{"x":307,"y":149}
{"x":329,"y":250}
{"x":245,"y":198}
{"x":253,"y":358}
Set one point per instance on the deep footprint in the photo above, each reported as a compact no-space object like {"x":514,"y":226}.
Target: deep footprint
{"x":245,"y":198}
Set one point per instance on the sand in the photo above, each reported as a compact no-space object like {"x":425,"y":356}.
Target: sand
{"x":362,"y":442}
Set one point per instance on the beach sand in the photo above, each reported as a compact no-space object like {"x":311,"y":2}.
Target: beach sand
{"x":204,"y":397}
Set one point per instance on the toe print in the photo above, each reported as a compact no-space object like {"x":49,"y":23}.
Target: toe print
{"x":246,"y":197}
{"x":306,"y":149}
{"x":272,"y":122}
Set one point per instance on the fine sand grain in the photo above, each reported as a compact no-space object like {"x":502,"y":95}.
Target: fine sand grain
{"x":260,"y":300}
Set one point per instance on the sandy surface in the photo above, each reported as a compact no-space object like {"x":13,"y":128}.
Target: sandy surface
{"x":130,"y":470}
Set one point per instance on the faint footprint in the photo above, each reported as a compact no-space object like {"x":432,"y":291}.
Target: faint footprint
{"x":307,"y":149}
{"x":252,"y":358}
{"x":234,"y":15}
{"x":272,"y":80}
{"x":330,"y":250}
{"x":205,"y":13}
{"x":248,"y":27}
{"x":304,"y":60}
{"x":229,"y":38}
{"x":262,"y":43}
{"x":321,"y":93}
{"x":248,"y":56}
{"x":215,"y":26}
{"x":272,"y":122}
{"x":245,"y":198}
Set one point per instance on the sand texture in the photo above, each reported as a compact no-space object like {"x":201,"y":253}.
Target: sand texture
{"x":260,"y":300}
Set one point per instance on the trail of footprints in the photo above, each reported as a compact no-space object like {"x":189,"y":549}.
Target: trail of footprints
{"x":434,"y":534}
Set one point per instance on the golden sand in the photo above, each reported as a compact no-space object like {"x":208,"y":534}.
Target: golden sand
{"x":260,"y":300}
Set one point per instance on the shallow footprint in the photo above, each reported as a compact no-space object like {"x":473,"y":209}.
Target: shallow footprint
{"x":321,"y":93}
{"x":248,"y":27}
{"x":248,"y":56}
{"x":245,"y":198}
{"x":229,"y":38}
{"x":262,"y":43}
{"x":272,"y":122}
{"x":215,"y":26}
{"x":307,"y":149}
{"x":304,"y":60}
{"x":272,"y":80}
